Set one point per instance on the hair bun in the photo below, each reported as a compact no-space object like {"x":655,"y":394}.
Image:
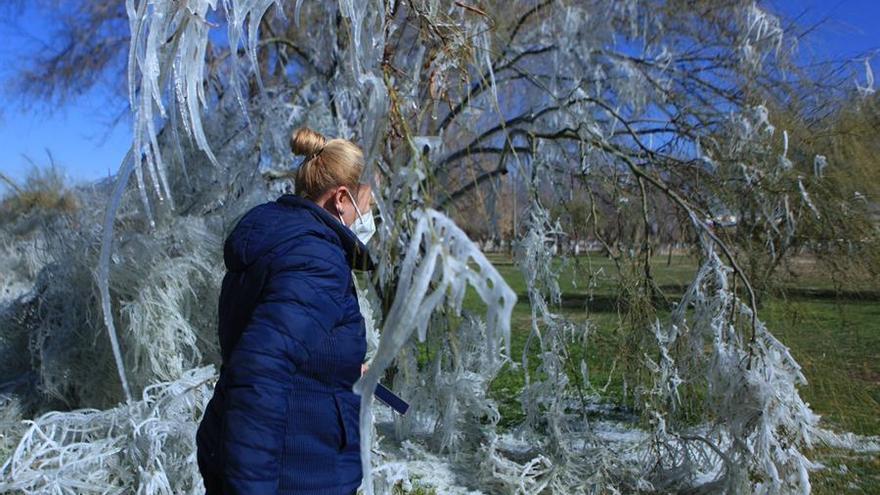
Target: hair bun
{"x":305,"y":141}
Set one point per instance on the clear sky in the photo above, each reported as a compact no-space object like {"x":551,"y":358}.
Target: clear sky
{"x":85,"y":144}
{"x":80,"y":135}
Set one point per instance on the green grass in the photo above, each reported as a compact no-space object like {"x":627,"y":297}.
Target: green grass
{"x":836,"y":341}
{"x":837,"y":344}
{"x":418,"y":488}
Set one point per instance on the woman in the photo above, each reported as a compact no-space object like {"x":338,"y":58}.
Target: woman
{"x":284,"y":418}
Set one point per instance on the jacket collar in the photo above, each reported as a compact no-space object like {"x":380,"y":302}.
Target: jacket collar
{"x":356,"y":253}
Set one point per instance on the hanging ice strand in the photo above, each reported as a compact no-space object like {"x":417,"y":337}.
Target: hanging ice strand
{"x":150,"y":51}
{"x":364,"y":76}
{"x":148,"y":22}
{"x":167,"y":38}
{"x":103,"y":273}
{"x":440,"y":263}
{"x":252,"y":12}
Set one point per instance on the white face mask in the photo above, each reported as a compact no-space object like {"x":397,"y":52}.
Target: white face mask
{"x":363,"y":225}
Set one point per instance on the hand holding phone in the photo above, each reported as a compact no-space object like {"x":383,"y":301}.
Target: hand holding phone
{"x":387,"y":397}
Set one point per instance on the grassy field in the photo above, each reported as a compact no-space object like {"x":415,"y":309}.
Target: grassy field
{"x":835,"y":339}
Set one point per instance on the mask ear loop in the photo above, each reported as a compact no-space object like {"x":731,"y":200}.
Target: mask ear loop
{"x":353,"y":202}
{"x":340,"y":212}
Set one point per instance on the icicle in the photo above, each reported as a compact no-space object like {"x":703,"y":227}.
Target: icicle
{"x":257,"y":11}
{"x":487,"y":59}
{"x":367,"y":23}
{"x":235,"y":20}
{"x":167,"y":37}
{"x":103,"y":274}
{"x":820,"y":162}
{"x":142,"y":191}
{"x":297,"y":11}
{"x":152,"y":168}
{"x":253,"y":11}
{"x":868,"y":88}
{"x":806,"y":198}
{"x":784,"y":162}
{"x":189,"y":68}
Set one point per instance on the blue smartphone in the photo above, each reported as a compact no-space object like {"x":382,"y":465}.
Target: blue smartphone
{"x":391,"y":399}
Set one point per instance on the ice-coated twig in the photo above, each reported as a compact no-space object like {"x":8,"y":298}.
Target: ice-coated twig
{"x":144,"y":447}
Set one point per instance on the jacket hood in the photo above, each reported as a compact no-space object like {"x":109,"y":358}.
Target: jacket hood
{"x":290,"y":216}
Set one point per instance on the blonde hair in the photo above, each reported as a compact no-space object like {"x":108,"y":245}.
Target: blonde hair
{"x":328,"y":164}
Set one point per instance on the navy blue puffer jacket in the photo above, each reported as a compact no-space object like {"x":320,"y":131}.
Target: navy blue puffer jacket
{"x":283,"y":418}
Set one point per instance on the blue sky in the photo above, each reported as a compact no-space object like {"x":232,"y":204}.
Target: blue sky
{"x":80,"y":135}
{"x":87,"y":146}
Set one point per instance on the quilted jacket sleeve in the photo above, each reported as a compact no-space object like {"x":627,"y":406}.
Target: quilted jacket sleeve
{"x":294,"y":310}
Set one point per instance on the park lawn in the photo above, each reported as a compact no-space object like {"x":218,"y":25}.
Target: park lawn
{"x":836,"y":341}
{"x":838,"y":344}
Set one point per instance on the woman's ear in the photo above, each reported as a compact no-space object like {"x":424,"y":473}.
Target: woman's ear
{"x":340,"y":197}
